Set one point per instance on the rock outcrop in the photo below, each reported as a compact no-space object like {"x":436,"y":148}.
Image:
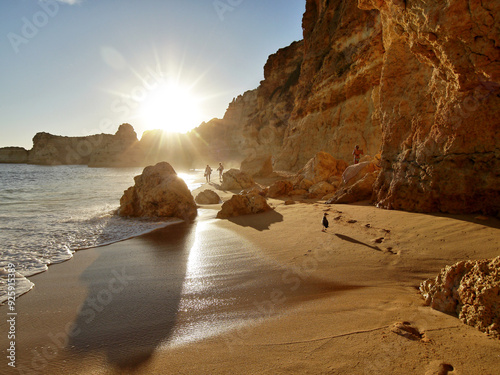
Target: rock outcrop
{"x":122,"y":150}
{"x":439,"y":105}
{"x":257,"y":166}
{"x":16,"y":155}
{"x":322,"y":167}
{"x":469,"y":290}
{"x":418,"y":81}
{"x":246,"y":204}
{"x":234,"y":179}
{"x":357,"y":183}
{"x":320,"y":93}
{"x":158,"y":192}
{"x":102,"y":150}
{"x":280,"y":189}
{"x":207,"y":197}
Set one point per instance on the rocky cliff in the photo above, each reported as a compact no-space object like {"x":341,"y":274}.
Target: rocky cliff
{"x":439,"y":105}
{"x":101,"y":150}
{"x":13,"y":155}
{"x":417,"y":80}
{"x":319,"y":94}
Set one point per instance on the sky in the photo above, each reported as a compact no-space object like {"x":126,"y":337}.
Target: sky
{"x":80,"y":67}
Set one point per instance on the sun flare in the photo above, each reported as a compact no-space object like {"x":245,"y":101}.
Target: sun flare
{"x":171,"y":107}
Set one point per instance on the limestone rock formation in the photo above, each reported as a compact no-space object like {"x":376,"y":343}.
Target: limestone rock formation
{"x":17,"y":155}
{"x":280,"y":189}
{"x":321,"y":189}
{"x":158,"y":192}
{"x":122,"y":150}
{"x":469,"y":290}
{"x":207,"y":197}
{"x":439,"y":105}
{"x":243,"y":205}
{"x":357,"y":183}
{"x":257,"y":166}
{"x":321,"y":167}
{"x":418,"y":81}
{"x":101,"y":150}
{"x":234,"y":179}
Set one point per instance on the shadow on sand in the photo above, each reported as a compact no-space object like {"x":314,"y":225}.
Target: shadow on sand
{"x":133,"y":298}
{"x":260,"y":222}
{"x":353,"y":240}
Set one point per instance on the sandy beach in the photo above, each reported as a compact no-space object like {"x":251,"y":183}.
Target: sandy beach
{"x":259,"y":294}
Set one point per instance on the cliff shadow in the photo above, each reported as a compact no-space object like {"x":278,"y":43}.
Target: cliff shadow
{"x":134,"y":291}
{"x":260,"y":222}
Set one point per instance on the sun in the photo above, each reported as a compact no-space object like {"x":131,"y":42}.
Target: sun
{"x":171,"y":107}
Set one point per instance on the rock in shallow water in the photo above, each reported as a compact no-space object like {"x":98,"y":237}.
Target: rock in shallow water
{"x":158,"y":192}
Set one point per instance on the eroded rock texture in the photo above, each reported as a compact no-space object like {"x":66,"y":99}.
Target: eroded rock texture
{"x":439,"y":105}
{"x":243,"y":204}
{"x":101,"y":150}
{"x":469,"y":290}
{"x":158,"y":192}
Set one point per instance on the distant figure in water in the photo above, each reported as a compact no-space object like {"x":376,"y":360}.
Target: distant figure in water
{"x":208,"y":172}
{"x":220,"y":169}
{"x":357,"y":154}
{"x":324,"y":222}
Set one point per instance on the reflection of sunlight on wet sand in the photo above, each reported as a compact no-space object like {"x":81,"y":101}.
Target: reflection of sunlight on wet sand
{"x":224,"y":273}
{"x":229,"y":285}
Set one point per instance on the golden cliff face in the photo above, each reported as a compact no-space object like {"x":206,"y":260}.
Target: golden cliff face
{"x":319,"y":94}
{"x":417,"y":80}
{"x":439,"y":105}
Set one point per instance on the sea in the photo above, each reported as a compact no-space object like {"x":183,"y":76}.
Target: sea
{"x":49,"y":212}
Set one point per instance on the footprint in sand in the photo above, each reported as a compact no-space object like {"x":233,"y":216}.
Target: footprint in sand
{"x":389,"y":250}
{"x":439,"y":368}
{"x":352,"y":221}
{"x":405,"y":329}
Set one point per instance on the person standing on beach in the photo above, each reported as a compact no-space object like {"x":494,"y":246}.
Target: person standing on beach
{"x":208,"y":172}
{"x":357,"y":154}
{"x":220,"y":169}
{"x":324,"y":222}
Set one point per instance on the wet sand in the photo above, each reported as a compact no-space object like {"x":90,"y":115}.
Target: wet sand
{"x":267,"y":294}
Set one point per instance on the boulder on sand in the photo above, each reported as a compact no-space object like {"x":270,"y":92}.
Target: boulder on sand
{"x":207,"y":197}
{"x":257,"y":166}
{"x":357,"y":183}
{"x":158,"y":192}
{"x":320,"y":168}
{"x":234,"y":179}
{"x":280,"y":189}
{"x":240,"y":205}
{"x":469,"y":290}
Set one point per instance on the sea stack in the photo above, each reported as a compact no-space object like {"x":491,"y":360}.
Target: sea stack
{"x":158,"y":192}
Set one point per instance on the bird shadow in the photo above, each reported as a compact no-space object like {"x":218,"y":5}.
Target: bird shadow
{"x":355,"y":241}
